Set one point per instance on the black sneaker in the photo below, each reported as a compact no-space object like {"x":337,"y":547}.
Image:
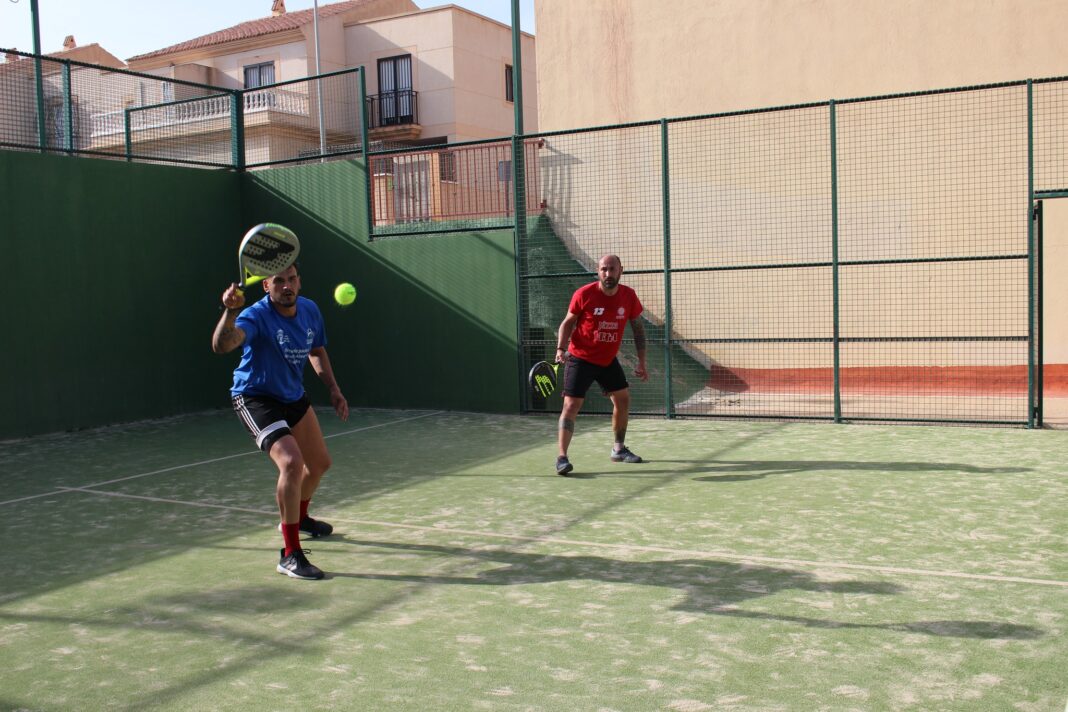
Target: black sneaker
{"x":296,"y":565}
{"x":624,"y":455}
{"x":563,"y":465}
{"x":315,"y":527}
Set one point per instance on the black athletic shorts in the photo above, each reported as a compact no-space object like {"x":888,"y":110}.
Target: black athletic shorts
{"x":579,"y":375}
{"x":267,"y":419}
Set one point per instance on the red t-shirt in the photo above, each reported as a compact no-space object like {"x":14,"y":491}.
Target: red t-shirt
{"x":601,"y":320}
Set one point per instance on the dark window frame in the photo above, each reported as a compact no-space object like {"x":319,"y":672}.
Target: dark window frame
{"x":258,"y":69}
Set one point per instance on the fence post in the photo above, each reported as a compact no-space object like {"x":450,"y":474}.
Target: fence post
{"x":127,"y":137}
{"x":365,"y":150}
{"x":520,"y":193}
{"x":237,"y":129}
{"x":665,"y":208}
{"x":42,"y":129}
{"x":68,"y":108}
{"x":834,"y":262}
{"x":1030,"y":257}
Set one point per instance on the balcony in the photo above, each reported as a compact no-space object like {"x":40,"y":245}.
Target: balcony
{"x":204,"y":110}
{"x":394,"y":116}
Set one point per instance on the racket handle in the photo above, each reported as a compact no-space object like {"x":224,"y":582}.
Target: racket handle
{"x":249,"y":281}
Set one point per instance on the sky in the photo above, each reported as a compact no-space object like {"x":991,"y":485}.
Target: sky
{"x":130,"y":27}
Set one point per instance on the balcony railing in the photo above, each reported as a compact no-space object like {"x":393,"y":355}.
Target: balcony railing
{"x":199,"y":109}
{"x":393,"y":108}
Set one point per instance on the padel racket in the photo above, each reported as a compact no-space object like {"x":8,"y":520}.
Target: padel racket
{"x":266,"y":249}
{"x":542,"y":378}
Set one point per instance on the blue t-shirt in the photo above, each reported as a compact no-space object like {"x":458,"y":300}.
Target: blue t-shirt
{"x":276,"y":349}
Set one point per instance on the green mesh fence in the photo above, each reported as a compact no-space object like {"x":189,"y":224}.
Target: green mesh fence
{"x":103,"y":112}
{"x":282,"y":121}
{"x":868,"y":259}
{"x":447,"y":188}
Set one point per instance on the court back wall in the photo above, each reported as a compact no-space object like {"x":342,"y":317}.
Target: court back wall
{"x":108,"y":303}
{"x":434,"y":323}
{"x":113,"y":273}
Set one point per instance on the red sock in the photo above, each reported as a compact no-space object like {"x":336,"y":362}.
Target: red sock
{"x":291,"y":535}
{"x":304,"y":509}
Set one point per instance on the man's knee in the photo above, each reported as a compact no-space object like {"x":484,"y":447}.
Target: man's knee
{"x":287,"y":457}
{"x":318,"y":466}
{"x":571,"y":407}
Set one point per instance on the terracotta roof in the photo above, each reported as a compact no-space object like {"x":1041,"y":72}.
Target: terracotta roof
{"x":255,"y":28}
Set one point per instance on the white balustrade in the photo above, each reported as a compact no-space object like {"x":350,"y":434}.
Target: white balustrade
{"x":213,"y":107}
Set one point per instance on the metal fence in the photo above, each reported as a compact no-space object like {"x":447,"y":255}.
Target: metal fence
{"x":84,"y":109}
{"x":872,"y":259}
{"x":877,"y":258}
{"x":449,"y":188}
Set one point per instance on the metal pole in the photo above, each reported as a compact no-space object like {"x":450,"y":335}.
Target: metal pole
{"x":365,"y":150}
{"x":68,"y":109}
{"x":665,"y":183}
{"x":519,"y":186}
{"x":319,"y":82}
{"x":1039,"y":350}
{"x":517,"y":69}
{"x":1030,"y":258}
{"x":42,"y":134}
{"x":834,"y":264}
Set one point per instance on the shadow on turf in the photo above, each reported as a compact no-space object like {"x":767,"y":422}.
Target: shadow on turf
{"x":763,"y":468}
{"x":711,"y":587}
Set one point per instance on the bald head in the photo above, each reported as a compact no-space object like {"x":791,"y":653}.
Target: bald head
{"x":609,"y":270}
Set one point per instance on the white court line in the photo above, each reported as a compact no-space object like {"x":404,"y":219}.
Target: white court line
{"x":209,"y":462}
{"x":742,"y":558}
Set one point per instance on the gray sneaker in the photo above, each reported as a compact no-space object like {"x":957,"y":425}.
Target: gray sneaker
{"x":563,"y":465}
{"x":624,"y":455}
{"x":297,"y":566}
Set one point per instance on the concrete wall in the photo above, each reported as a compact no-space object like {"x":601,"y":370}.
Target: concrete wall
{"x":614,"y":61}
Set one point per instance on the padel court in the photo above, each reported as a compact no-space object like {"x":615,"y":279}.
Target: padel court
{"x":883,"y":260}
{"x":743,"y":566}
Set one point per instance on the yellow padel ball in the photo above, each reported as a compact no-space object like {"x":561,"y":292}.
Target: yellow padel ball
{"x":344,"y":294}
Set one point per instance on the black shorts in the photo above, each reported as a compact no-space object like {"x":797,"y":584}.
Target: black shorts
{"x":267,"y":419}
{"x":579,"y":375}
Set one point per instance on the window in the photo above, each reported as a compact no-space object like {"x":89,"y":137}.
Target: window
{"x":509,"y":94}
{"x":447,"y":166}
{"x":395,"y":90}
{"x":259,"y":75}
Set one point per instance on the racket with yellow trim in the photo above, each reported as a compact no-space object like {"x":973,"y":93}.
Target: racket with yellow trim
{"x":543,"y":378}
{"x":266,"y":249}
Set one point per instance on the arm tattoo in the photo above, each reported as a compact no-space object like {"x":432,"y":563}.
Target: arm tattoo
{"x":567,"y":424}
{"x":639,"y":334}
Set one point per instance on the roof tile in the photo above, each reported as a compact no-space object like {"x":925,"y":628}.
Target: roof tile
{"x":255,"y":28}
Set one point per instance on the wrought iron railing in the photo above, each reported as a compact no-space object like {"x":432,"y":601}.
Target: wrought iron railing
{"x":393,"y":108}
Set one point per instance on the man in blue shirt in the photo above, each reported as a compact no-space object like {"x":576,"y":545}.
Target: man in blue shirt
{"x":280,"y":334}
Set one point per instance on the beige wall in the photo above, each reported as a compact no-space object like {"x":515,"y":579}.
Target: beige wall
{"x":940,"y":176}
{"x":614,"y":61}
{"x":1055,"y":292}
{"x":458,"y":61}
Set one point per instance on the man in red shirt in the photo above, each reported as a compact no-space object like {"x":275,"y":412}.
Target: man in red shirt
{"x":594,"y":327}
